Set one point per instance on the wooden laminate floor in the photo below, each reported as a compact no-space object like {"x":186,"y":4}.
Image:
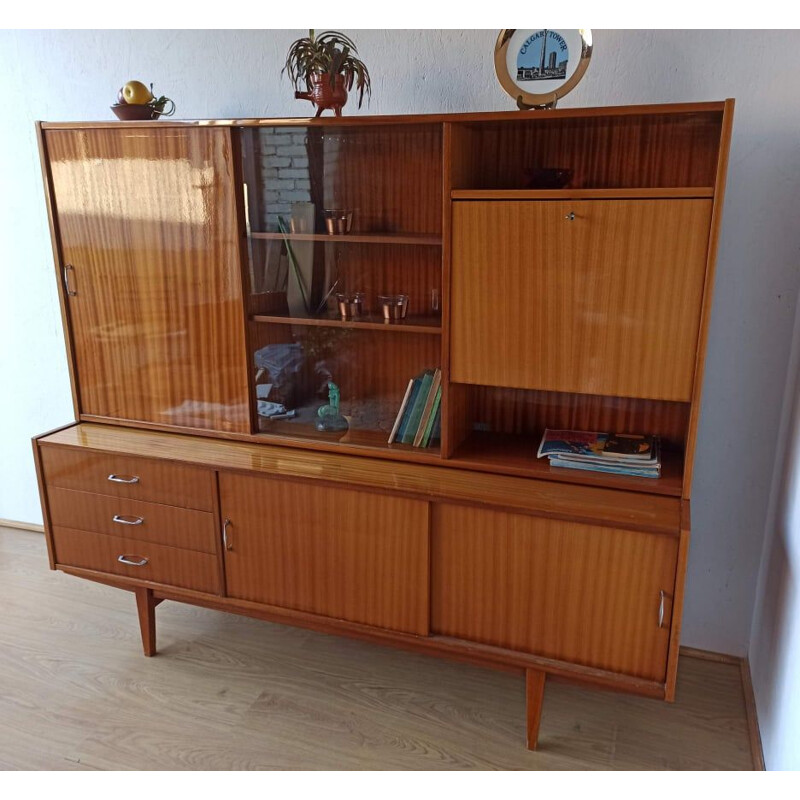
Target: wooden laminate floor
{"x":227,"y":692}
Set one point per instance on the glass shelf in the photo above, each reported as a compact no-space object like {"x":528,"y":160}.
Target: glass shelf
{"x":414,"y":324}
{"x":432,"y":239}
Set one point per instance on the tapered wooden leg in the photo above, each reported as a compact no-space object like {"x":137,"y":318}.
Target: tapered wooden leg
{"x":534,"y":689}
{"x":146,"y":606}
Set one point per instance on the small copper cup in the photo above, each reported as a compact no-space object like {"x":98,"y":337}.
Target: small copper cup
{"x":394,"y":306}
{"x":338,"y":221}
{"x":351,"y":304}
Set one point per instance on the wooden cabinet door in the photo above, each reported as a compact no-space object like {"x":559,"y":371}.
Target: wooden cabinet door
{"x":579,"y":593}
{"x":148,"y":233}
{"x":595,"y":296}
{"x":351,"y":555}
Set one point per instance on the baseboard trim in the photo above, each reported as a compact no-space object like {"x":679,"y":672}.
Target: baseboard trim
{"x":753,"y":731}
{"x":756,"y":747}
{"x":709,"y":655}
{"x":22,"y":526}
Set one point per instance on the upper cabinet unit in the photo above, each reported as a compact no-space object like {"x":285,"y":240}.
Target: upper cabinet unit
{"x":433,"y":288}
{"x":148,"y":236}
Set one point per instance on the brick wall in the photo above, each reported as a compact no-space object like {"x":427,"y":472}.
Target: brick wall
{"x":284,"y":173}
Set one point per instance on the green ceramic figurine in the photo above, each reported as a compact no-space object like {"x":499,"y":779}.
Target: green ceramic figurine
{"x":329,"y":417}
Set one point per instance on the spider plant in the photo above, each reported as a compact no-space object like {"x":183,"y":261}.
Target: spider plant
{"x":328,"y":53}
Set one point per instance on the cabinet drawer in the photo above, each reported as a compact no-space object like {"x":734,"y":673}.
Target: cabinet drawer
{"x":129,"y":476}
{"x":580,"y":593}
{"x":168,"y":565}
{"x":133,"y":519}
{"x":350,"y":555}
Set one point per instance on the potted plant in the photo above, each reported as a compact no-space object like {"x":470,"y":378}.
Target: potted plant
{"x":324,"y":68}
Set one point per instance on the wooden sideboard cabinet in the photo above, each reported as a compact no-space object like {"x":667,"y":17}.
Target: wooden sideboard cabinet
{"x":198,"y":283}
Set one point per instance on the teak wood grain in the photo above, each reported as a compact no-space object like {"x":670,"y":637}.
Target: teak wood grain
{"x":572,"y":592}
{"x":585,"y":307}
{"x":147,"y":225}
{"x":606,"y":303}
{"x":155,"y":480}
{"x":626,"y":509}
{"x":146,"y":609}
{"x":339,"y":553}
{"x":175,"y":527}
{"x":534,"y":698}
{"x":170,"y":566}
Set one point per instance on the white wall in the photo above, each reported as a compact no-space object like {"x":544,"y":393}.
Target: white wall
{"x":75,"y":75}
{"x":775,"y":635}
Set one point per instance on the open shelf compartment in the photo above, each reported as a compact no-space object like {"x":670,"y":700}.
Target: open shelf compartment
{"x":499,"y":430}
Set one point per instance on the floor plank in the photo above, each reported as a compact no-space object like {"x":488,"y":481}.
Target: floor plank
{"x":226,"y":692}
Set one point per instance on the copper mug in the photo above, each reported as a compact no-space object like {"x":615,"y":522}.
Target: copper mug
{"x":351,"y":304}
{"x":394,"y":306}
{"x":338,"y":221}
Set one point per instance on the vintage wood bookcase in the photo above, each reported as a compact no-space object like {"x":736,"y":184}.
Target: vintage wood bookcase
{"x":584,"y":307}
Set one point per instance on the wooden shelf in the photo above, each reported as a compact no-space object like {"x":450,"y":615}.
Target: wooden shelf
{"x":364,"y":238}
{"x":369,"y":439}
{"x":516,"y":455}
{"x":582,"y":194}
{"x":412,"y":324}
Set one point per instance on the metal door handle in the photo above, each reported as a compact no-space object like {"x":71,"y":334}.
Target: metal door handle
{"x":132,"y":561}
{"x":118,"y":479}
{"x":127,"y":521}
{"x":570,"y":216}
{"x":662,"y":595}
{"x":67,"y":269}
{"x":226,"y":540}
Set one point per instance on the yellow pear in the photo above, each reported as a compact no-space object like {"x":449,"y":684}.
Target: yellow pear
{"x":136,"y":93}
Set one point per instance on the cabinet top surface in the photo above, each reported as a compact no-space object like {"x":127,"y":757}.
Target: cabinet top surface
{"x":595,"y":505}
{"x":399,"y":119}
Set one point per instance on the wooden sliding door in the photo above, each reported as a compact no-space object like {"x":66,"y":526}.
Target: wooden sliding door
{"x":149,"y":245}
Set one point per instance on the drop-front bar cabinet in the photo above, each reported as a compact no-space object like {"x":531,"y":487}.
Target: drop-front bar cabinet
{"x":198,"y":282}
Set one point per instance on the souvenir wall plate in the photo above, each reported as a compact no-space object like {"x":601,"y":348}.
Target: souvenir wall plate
{"x":537,"y":67}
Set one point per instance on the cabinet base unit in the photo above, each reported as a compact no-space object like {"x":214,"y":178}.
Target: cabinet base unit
{"x":336,"y":426}
{"x":415,"y":563}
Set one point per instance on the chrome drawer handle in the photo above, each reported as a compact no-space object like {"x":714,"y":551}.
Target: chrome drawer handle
{"x":118,"y":479}
{"x":132,"y":561}
{"x":226,"y":540}
{"x":662,"y":595}
{"x":128,"y":521}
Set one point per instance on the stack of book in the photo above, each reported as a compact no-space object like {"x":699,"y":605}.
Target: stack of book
{"x":616,"y":453}
{"x":418,"y":421}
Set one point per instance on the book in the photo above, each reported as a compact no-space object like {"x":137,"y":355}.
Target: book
{"x":407,"y":413}
{"x":653,"y":457}
{"x":426,"y":438}
{"x":417,"y":408}
{"x":617,"y":454}
{"x":427,"y":409}
{"x":629,"y":446}
{"x":611,"y":468}
{"x":436,"y":430}
{"x":400,"y":413}
{"x":587,"y":443}
{"x":591,"y":445}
